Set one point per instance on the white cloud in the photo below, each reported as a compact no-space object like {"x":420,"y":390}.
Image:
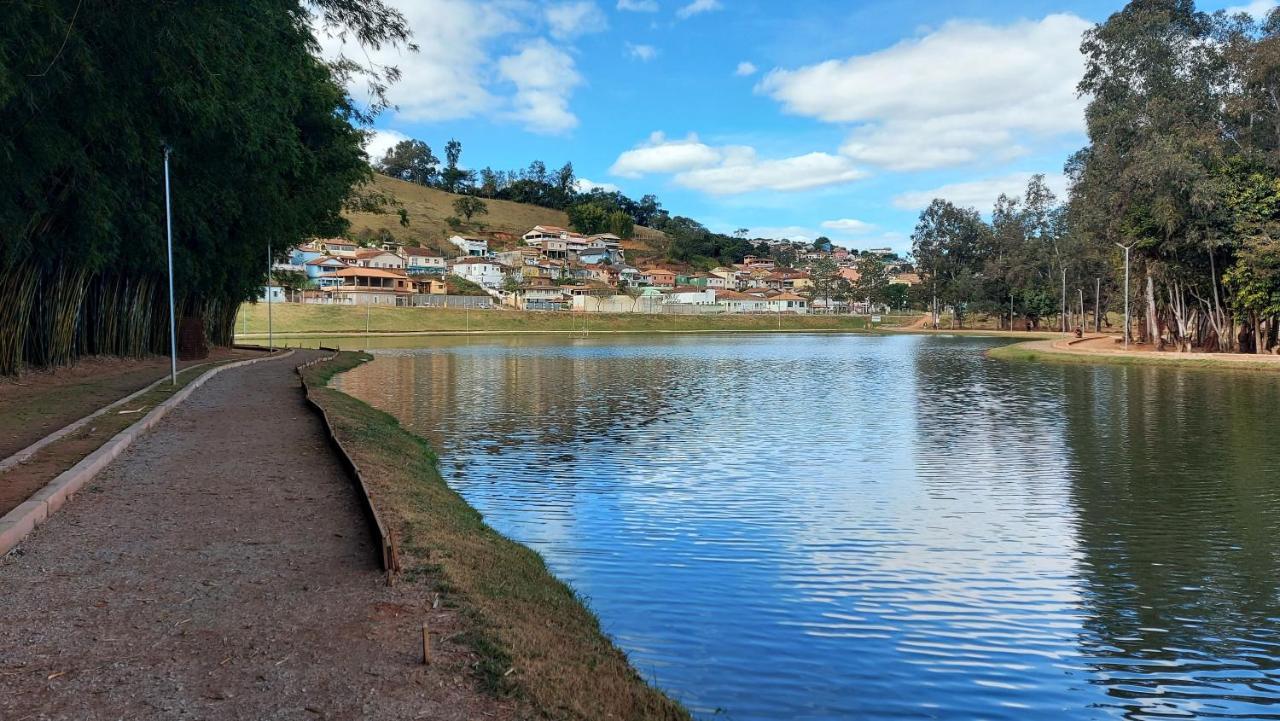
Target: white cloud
{"x":697,"y":7}
{"x":660,"y":155}
{"x":544,"y":77}
{"x":979,"y":194}
{"x":1258,"y":8}
{"x":731,"y":169}
{"x":849,"y":225}
{"x":584,"y":185}
{"x":570,"y":19}
{"x":784,"y":232}
{"x":643,"y":53}
{"x":742,"y":172}
{"x":965,"y":93}
{"x":380,"y":141}
{"x":638,"y":6}
{"x":447,"y":77}
{"x":745,"y":68}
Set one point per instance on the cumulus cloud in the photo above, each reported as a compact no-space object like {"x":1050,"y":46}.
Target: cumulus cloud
{"x":660,"y":155}
{"x":697,"y":7}
{"x":979,"y":194}
{"x":379,"y":142}
{"x":638,"y":6}
{"x":848,"y":225}
{"x":745,"y":68}
{"x":643,"y":53}
{"x":584,"y":185}
{"x":544,"y":77}
{"x":740,"y":171}
{"x":570,"y":19}
{"x":731,"y":169}
{"x":447,"y":77}
{"x":964,"y":93}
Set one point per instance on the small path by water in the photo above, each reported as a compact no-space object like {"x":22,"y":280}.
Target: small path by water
{"x":1107,"y":346}
{"x":219,"y":569}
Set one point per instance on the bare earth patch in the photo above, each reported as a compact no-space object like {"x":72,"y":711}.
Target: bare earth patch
{"x":221,"y":568}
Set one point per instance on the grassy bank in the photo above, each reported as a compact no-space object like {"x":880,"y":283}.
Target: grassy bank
{"x":300,"y":319}
{"x":536,"y":639}
{"x":1042,"y":351}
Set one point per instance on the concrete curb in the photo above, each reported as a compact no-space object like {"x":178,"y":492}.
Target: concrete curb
{"x":18,"y":523}
{"x":388,"y":549}
{"x":25,"y":454}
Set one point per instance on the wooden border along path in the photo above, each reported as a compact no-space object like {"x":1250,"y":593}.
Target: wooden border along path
{"x":23,"y":519}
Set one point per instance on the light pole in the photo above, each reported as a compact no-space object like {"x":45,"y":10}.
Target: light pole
{"x":168,"y":226}
{"x":271,"y":344}
{"x":1126,"y":248}
{"x":1064,"y":299}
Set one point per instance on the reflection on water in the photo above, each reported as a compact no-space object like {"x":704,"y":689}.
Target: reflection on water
{"x":831,"y":527}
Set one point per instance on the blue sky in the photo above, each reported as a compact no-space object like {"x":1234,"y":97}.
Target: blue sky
{"x":792,"y":119}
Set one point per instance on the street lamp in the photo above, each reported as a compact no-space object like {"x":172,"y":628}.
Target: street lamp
{"x":168,"y":226}
{"x":1126,"y":248}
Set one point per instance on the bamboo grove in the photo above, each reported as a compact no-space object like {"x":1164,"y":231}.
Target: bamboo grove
{"x":266,"y":144}
{"x":1182,"y":167}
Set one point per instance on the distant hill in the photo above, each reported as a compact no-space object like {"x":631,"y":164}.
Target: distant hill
{"x":506,"y":221}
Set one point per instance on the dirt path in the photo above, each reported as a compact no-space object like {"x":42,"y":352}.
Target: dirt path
{"x":1109,"y":345}
{"x":220,"y":569}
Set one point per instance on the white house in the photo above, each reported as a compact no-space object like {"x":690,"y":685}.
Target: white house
{"x":421,"y":260}
{"x":788,"y":303}
{"x":384,"y":259}
{"x":485,"y":272}
{"x":735,"y":302}
{"x":471,"y":246}
{"x":693,"y":296}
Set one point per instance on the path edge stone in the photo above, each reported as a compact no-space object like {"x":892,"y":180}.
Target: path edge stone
{"x":17,"y":524}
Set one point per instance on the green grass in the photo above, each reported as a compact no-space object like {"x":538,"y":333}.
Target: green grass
{"x":296,"y":318}
{"x":1022,"y":352}
{"x":536,"y":640}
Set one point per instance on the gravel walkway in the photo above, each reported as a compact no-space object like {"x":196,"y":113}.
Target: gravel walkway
{"x":219,"y":569}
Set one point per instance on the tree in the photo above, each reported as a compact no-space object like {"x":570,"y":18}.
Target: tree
{"x":454,"y":179}
{"x":469,"y":205}
{"x":588,"y":218}
{"x":873,"y":280}
{"x":946,"y":244}
{"x":410,"y":160}
{"x":266,"y":147}
{"x":621,"y":224}
{"x":824,"y":277}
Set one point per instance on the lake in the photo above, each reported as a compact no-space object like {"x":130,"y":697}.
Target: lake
{"x":816,"y":526}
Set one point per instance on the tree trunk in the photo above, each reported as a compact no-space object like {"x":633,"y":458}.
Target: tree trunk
{"x":1153,"y":323}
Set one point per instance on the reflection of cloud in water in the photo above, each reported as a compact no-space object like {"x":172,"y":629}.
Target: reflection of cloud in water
{"x":825,"y":527}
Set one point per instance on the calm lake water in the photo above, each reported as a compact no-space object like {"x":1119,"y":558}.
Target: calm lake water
{"x":859,"y":527}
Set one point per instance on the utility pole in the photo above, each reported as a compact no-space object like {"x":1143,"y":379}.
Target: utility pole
{"x":1126,"y":248}
{"x":1097,"y":303}
{"x":1011,"y":311}
{"x":1064,"y":299}
{"x":271,"y":343}
{"x":168,"y":226}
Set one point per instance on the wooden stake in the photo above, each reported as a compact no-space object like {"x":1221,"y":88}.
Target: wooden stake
{"x":426,"y":645}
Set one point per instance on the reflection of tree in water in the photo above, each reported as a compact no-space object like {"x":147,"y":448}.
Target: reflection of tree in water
{"x":1176,"y":482}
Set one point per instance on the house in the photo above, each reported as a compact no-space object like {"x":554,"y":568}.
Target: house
{"x":378,"y":259}
{"x":370,"y":286}
{"x":542,"y":233}
{"x":735,"y":302}
{"x":339,"y":246}
{"x":850,"y":274}
{"x":606,"y":274}
{"x":482,"y":271}
{"x":788,"y":279}
{"x":788,"y":303}
{"x":690,"y":295}
{"x":271,"y":294}
{"x":907,"y":278}
{"x":421,"y":260}
{"x":539,"y":294}
{"x":320,"y":269}
{"x":469,"y":246}
{"x":630,"y":276}
{"x":518,"y":258}
{"x":432,"y":286}
{"x":304,"y":253}
{"x":661,"y":277}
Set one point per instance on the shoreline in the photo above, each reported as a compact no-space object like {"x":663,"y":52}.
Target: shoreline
{"x":536,"y":639}
{"x":1071,"y":351}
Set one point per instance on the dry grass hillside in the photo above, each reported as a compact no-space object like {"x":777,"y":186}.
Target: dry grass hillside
{"x":429,"y":210}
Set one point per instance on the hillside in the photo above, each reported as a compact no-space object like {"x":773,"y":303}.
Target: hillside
{"x":429,"y":208}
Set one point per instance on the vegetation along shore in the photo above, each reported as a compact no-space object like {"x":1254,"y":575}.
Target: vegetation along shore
{"x":536,"y":639}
